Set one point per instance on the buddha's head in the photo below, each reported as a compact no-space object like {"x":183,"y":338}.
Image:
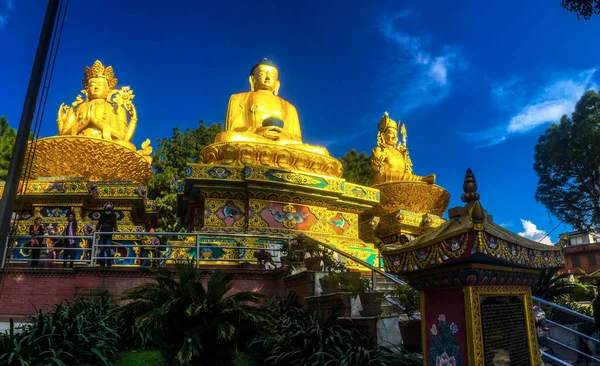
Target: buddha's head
{"x":99,"y":80}
{"x":388,"y":131}
{"x":264,"y":76}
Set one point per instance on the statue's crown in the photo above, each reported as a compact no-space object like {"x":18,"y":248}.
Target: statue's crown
{"x":264,"y":61}
{"x":386,"y":122}
{"x":99,"y":71}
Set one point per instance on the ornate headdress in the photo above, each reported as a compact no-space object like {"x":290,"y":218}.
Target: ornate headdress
{"x":264,"y":61}
{"x":386,"y":122}
{"x":99,"y":71}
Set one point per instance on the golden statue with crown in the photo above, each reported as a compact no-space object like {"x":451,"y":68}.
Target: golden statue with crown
{"x":96,"y":131}
{"x":261,"y":128}
{"x":106,"y":112}
{"x":390,"y":161}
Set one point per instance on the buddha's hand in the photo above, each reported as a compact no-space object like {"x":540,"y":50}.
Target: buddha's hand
{"x":272,"y":132}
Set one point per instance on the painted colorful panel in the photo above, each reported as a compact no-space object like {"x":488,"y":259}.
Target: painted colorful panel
{"x":444,"y":327}
{"x":220,"y":212}
{"x":288,"y":216}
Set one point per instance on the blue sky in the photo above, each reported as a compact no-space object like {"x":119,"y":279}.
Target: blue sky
{"x":475,"y":82}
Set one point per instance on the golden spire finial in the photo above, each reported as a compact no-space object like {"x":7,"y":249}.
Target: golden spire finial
{"x":470,"y":188}
{"x":99,"y":71}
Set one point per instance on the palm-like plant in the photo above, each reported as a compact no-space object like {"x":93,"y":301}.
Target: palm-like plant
{"x":188,"y":320}
{"x":551,"y":285}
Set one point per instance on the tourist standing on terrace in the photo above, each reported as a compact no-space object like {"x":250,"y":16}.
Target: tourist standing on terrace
{"x":106,"y":224}
{"x":71,"y":243}
{"x":36,"y":230}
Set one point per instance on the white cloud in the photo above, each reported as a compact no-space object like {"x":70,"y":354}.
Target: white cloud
{"x":531,"y":232}
{"x":424,"y":70}
{"x":545,"y":105}
{"x":4,"y":12}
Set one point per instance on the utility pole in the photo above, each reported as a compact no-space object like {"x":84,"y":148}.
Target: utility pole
{"x":18,"y":156}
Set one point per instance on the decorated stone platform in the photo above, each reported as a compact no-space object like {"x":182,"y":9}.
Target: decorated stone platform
{"x":52,"y":198}
{"x":262,"y":200}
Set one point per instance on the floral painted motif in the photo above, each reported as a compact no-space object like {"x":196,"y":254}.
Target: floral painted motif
{"x":444,"y":350}
{"x":219,"y":172}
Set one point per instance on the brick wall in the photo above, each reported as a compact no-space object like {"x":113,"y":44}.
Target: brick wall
{"x":22,"y":290}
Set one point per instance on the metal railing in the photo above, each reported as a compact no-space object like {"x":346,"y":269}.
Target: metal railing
{"x":374,"y":272}
{"x":94,"y":255}
{"x":574,"y":313}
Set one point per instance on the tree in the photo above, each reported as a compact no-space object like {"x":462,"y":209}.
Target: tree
{"x":551,"y":285}
{"x":582,"y":8}
{"x":8,"y":136}
{"x":357,"y":167}
{"x":172,"y":156}
{"x":567,"y":162}
{"x":189,"y":321}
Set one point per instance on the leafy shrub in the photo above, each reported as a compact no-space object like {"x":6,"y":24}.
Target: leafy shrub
{"x":301,"y":337}
{"x":408,"y":298}
{"x":188,"y":321}
{"x":77,"y":333}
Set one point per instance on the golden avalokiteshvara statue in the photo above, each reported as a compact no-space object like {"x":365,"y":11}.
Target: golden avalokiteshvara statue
{"x":106,"y":112}
{"x":390,"y":161}
{"x":261,"y":116}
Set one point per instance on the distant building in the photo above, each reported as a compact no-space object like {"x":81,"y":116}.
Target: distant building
{"x":582,"y":251}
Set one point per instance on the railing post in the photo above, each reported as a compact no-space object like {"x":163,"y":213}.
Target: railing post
{"x":93,"y":251}
{"x":197,"y":250}
{"x":373,"y":280}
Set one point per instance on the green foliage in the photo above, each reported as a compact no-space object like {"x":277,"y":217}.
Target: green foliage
{"x":191,"y":322}
{"x":551,"y":285}
{"x":583,"y":292}
{"x":8,"y":136}
{"x":357,"y":168}
{"x":79,"y":333}
{"x":301,"y":337}
{"x":583,"y":8}
{"x":567,"y":158}
{"x":409,"y":298}
{"x":142,"y":358}
{"x":569,"y":303}
{"x":354,"y":283}
{"x":172,"y":155}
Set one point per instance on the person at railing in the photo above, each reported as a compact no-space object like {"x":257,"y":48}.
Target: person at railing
{"x":37,"y":232}
{"x":107,"y":223}
{"x":70,"y":243}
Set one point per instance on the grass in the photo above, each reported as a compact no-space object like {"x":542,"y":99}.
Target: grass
{"x":141,"y":358}
{"x":242,"y":359}
{"x":154,"y":358}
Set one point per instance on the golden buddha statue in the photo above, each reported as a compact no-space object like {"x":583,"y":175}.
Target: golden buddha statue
{"x":261,"y":116}
{"x":390,"y":161}
{"x":106,"y":112}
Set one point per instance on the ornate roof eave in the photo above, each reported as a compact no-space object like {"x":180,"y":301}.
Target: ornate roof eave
{"x":471,"y":236}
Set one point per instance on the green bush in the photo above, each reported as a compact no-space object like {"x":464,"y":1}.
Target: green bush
{"x":408,"y":298}
{"x":189,"y":322}
{"x":300,"y":337}
{"x":77,"y":333}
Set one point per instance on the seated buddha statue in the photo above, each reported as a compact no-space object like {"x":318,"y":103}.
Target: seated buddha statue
{"x":261,"y":116}
{"x":389,"y":160}
{"x":105,"y":112}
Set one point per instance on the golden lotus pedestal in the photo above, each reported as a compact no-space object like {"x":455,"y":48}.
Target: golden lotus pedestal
{"x":95,"y":159}
{"x":263,"y":200}
{"x":80,"y":174}
{"x":406,"y":210}
{"x":291,"y":158}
